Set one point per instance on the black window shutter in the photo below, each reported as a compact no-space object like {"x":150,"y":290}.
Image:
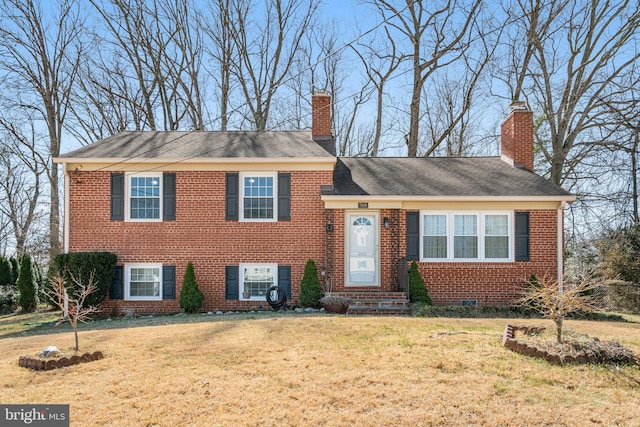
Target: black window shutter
{"x":232,"y":282}
{"x":117,"y":196}
{"x":169,"y":196}
{"x":284,"y":196}
{"x":284,"y":280}
{"x":232,"y":197}
{"x":522,"y":236}
{"x":116,"y":289}
{"x":413,"y":236}
{"x":168,"y":282}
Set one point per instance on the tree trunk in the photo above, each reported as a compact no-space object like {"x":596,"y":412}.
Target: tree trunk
{"x":559,"y":330}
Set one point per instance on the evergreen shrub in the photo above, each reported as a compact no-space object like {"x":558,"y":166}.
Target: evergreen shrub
{"x":81,"y":265}
{"x":417,"y":290}
{"x":310,"y":288}
{"x":6,"y":272}
{"x":27,"y":287}
{"x":191,"y":298}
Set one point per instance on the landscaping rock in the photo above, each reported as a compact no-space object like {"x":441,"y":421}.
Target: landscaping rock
{"x":51,"y":351}
{"x":51,"y":364}
{"x":47,"y":365}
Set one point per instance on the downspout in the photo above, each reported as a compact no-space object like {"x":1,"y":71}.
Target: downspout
{"x":65,"y":227}
{"x":560,"y":243}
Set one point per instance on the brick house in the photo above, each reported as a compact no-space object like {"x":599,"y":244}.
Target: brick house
{"x":249,"y":208}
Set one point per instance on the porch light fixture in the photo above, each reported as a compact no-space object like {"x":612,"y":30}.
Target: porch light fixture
{"x":385,"y":222}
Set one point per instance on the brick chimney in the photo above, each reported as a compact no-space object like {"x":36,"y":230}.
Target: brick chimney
{"x":321,"y":121}
{"x":320,"y":114}
{"x":517,"y":136}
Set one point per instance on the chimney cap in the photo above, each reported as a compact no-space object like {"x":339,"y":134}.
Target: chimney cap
{"x":518,"y":106}
{"x":320,"y":93}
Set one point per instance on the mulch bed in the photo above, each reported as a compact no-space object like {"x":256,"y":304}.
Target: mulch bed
{"x":40,"y":364}
{"x":570,"y":351}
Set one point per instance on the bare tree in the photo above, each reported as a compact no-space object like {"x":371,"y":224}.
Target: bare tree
{"x":217,"y":27}
{"x":70,"y":298}
{"x":21,"y":169}
{"x":40,"y":57}
{"x":556,"y":301}
{"x":149,"y":63}
{"x":574,"y":51}
{"x":379,"y":66}
{"x":451,"y":119}
{"x":267,"y":49}
{"x":437,"y":34}
{"x":624,"y":113}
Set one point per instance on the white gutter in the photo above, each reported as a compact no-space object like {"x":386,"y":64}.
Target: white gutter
{"x":560,"y":244}
{"x":65,"y":227}
{"x":398,"y":198}
{"x":197,"y":160}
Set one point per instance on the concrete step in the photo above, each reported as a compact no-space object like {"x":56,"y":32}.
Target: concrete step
{"x":376,"y":303}
{"x":369,"y":295}
{"x":362,"y":310}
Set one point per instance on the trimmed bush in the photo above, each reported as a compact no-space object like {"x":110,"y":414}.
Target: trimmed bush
{"x":81,"y":265}
{"x":27,"y":287}
{"x":310,"y":288}
{"x":190,"y":296}
{"x":417,"y":290}
{"x":15,"y":270}
{"x":6,"y":272}
{"x":8,"y":299}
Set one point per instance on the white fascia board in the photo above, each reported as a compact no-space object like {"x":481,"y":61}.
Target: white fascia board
{"x":391,"y":199}
{"x":226,"y":163}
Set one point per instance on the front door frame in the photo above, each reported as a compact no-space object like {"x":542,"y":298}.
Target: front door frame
{"x":348,"y":230}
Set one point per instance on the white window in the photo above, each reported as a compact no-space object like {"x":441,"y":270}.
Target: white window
{"x":143,"y":201}
{"x":256,"y":279}
{"x":467,"y":236}
{"x":259,"y":196}
{"x":143,"y":281}
{"x":496,"y":236}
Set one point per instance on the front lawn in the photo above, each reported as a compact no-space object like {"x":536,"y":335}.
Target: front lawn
{"x":321,"y":370}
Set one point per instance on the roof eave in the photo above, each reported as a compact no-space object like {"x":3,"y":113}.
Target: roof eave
{"x":367,"y":198}
{"x":172,"y":160}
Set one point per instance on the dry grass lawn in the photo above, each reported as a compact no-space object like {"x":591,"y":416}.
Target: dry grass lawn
{"x":295,"y":370}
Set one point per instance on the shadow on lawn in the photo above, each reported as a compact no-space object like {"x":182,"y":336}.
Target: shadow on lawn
{"x":45,"y":323}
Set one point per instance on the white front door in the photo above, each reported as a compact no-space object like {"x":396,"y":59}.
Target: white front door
{"x":362,"y":247}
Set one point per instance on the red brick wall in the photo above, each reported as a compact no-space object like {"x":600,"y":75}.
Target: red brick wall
{"x":517,"y":137}
{"x":200,"y":234}
{"x":386,"y":269}
{"x":490,"y":283}
{"x":495,"y":283}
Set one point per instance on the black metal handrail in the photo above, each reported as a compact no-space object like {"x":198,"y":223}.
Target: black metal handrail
{"x":403,"y":276}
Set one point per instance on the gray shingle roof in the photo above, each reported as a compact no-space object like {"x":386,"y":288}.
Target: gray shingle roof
{"x":438,"y":177}
{"x":202,"y":145}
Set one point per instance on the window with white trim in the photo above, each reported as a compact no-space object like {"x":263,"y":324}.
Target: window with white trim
{"x":466,"y":236}
{"x":143,"y":281}
{"x":143,"y":201}
{"x":258,"y":196}
{"x":256,"y":279}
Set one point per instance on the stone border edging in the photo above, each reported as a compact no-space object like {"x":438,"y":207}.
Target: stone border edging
{"x":47,"y":365}
{"x":509,"y":341}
